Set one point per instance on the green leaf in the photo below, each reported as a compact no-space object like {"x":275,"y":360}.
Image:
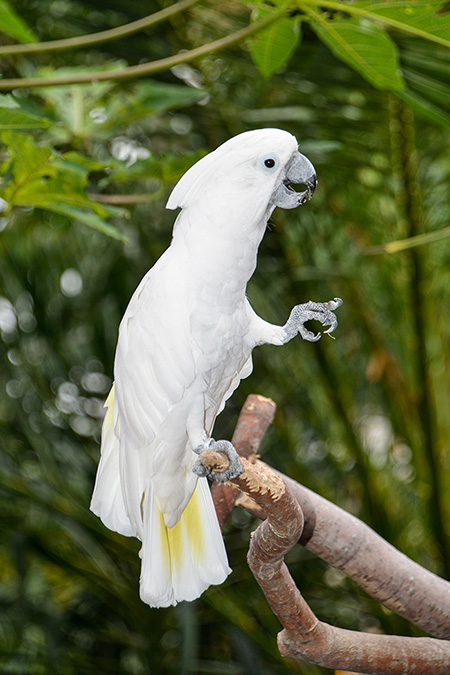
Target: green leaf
{"x":364,"y":45}
{"x":424,"y":108}
{"x":291,"y":113}
{"x":12,"y":118}
{"x":149,"y":97}
{"x":98,"y":108}
{"x":166,"y":168}
{"x":72,"y":106}
{"x":272,"y":47}
{"x":86,"y":162}
{"x":419,"y":17}
{"x":427,"y":75}
{"x":37,"y":176}
{"x":158,"y":97}
{"x":29,"y":161}
{"x":431,"y":88}
{"x":13,"y":25}
{"x":8,"y":101}
{"x":87,"y":218}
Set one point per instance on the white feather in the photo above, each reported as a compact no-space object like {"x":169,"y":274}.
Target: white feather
{"x":185,"y":343}
{"x":179,"y":563}
{"x":107,"y":500}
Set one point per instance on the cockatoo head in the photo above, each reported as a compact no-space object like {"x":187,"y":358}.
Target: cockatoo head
{"x":257,"y":167}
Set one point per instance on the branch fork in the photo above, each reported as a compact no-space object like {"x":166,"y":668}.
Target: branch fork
{"x":293,"y":513}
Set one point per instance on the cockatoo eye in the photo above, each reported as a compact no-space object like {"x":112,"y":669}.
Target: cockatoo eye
{"x":270,"y":162}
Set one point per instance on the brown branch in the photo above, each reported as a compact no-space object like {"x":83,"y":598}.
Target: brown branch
{"x":254,"y":420}
{"x":367,"y":653}
{"x":382,"y":571}
{"x":122,"y":199}
{"x":295,"y":513}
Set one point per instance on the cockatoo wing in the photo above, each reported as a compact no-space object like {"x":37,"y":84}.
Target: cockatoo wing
{"x":155,"y":374}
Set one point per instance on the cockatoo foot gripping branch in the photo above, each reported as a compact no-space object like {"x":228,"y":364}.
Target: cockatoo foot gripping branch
{"x":185,"y":342}
{"x":234,"y":468}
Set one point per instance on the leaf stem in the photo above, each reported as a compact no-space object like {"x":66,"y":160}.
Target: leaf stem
{"x":349,"y":8}
{"x":97,"y":38}
{"x":409,"y":242}
{"x":144,"y":69}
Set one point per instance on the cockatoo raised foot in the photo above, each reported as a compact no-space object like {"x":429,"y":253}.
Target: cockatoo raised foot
{"x":311,"y":311}
{"x":233,"y":469}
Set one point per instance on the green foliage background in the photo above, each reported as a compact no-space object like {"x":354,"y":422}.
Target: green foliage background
{"x":363,"y":420}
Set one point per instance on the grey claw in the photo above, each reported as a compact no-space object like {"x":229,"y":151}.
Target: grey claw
{"x":308,"y":335}
{"x":333,"y":304}
{"x":312,"y":311}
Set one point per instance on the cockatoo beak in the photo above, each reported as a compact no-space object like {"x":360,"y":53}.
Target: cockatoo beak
{"x":298,"y":171}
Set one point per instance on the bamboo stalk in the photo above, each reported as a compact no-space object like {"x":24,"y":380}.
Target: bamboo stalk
{"x":405,"y":164}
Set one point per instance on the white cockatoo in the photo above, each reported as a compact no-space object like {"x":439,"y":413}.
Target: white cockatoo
{"x":185,"y":342}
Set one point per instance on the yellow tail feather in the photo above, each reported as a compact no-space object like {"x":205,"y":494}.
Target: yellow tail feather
{"x":189,"y":530}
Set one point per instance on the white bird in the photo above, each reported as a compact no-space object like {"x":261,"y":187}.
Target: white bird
{"x":185,"y":342}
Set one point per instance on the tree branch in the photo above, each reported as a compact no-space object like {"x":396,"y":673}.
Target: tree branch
{"x":144,"y":68}
{"x":295,"y":513}
{"x":348,"y":544}
{"x":97,"y":38}
{"x":124,"y":200}
{"x":255,"y":418}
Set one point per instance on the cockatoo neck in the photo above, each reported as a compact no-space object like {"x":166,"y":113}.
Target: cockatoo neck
{"x":221,"y":242}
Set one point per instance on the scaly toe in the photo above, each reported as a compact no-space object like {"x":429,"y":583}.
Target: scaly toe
{"x":233,"y":469}
{"x":200,"y":470}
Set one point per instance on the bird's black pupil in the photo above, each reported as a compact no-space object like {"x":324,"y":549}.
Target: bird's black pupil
{"x":270,"y":163}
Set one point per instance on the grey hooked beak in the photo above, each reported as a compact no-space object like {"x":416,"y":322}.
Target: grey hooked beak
{"x":298,"y":171}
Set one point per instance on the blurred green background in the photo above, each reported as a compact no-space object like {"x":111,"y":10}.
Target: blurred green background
{"x":362,"y":419}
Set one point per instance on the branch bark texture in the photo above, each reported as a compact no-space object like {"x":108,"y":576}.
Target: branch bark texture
{"x":381,"y":570}
{"x":294,"y":513}
{"x":255,"y":418}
